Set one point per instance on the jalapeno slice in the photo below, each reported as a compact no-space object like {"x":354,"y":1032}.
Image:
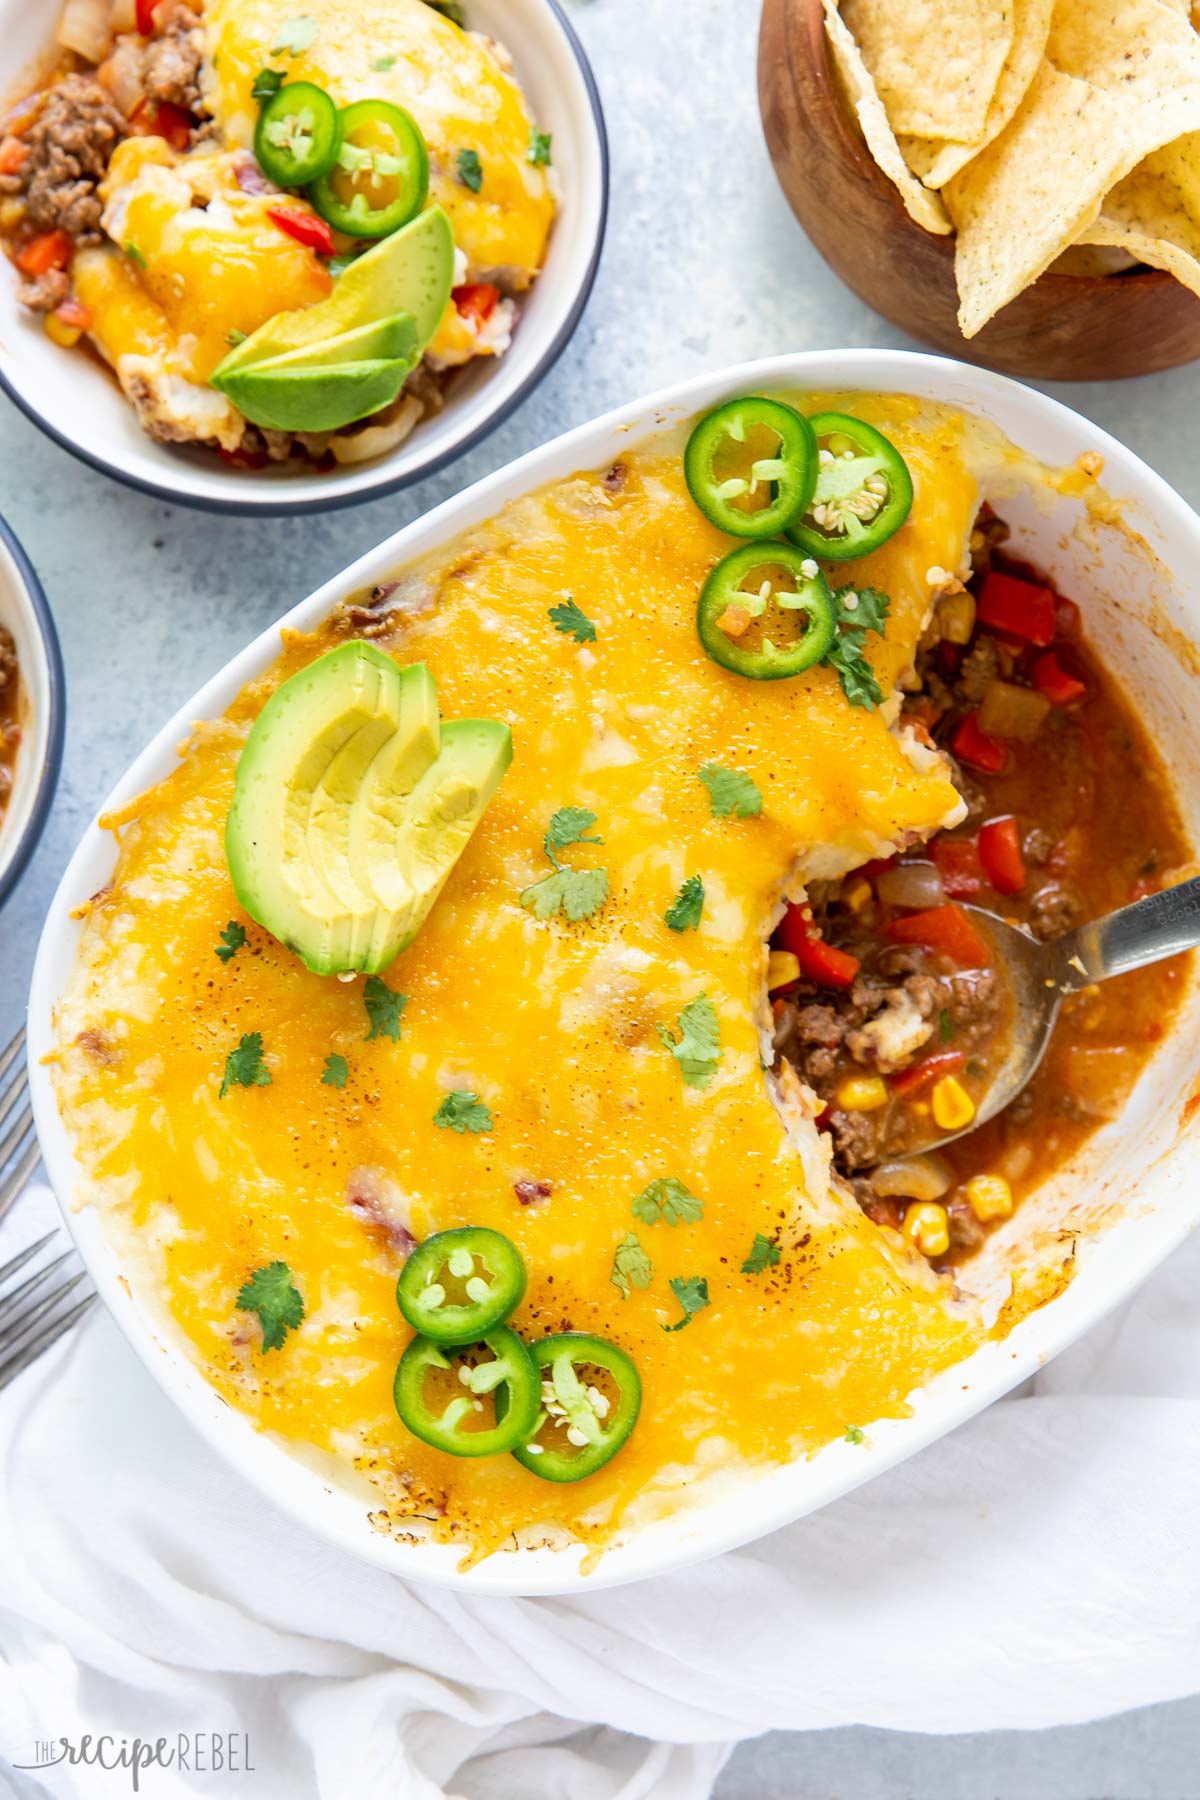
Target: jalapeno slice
{"x":298,"y":134}
{"x":863,"y":492}
{"x":458,"y":1284}
{"x":380,"y":178}
{"x":766,"y":612}
{"x":584,"y":1418}
{"x":751,"y":466}
{"x":442,"y":1393}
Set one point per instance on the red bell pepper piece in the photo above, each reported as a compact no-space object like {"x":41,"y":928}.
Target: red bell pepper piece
{"x":1000,"y":854}
{"x":476,"y":301}
{"x":957,"y":862}
{"x":970,"y":745}
{"x":1068,"y":621}
{"x":819,"y":961}
{"x":1017,"y":608}
{"x":244,"y":459}
{"x":52,"y":250}
{"x":305,"y":227}
{"x":946,"y":929}
{"x":923,"y":1074}
{"x":12,"y":154}
{"x":170,"y":122}
{"x":1052,"y":680}
{"x":145,"y":17}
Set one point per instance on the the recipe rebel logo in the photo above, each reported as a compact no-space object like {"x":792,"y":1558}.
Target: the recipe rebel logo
{"x":188,"y":1752}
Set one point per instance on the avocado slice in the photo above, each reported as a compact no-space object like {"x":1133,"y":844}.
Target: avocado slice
{"x":386,"y":756}
{"x":321,"y":399}
{"x":412,"y":271}
{"x":384,"y":340}
{"x":442,"y":812}
{"x":352,"y":804}
{"x":297,"y":736}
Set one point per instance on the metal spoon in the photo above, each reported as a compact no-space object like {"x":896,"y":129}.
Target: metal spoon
{"x":1041,"y":975}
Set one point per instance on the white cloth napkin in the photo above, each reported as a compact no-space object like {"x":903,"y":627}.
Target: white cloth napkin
{"x":1037,"y":1567}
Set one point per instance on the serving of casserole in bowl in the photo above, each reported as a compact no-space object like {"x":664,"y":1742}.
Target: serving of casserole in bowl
{"x":486,"y":1045}
{"x":32,"y":710}
{"x":269,"y":261}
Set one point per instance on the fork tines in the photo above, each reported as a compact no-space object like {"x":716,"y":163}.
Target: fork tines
{"x":35,"y":1296}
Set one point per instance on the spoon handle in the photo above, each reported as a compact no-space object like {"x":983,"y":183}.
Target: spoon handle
{"x":1161,"y":925}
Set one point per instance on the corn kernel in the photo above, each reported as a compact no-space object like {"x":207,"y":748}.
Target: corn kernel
{"x":783,"y":966}
{"x":990,"y":1197}
{"x":952,"y":1106}
{"x":927,"y":1226}
{"x":58,"y":333}
{"x":862,"y":1093}
{"x":857,"y":894}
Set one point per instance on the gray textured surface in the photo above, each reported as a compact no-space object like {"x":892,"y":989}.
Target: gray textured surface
{"x":704,"y":265}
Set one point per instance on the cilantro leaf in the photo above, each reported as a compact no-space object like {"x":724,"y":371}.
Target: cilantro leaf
{"x":463,"y":1111}
{"x":383,"y":63}
{"x":234,"y":337}
{"x":569,"y":618}
{"x":631,"y":1266}
{"x":846,"y":658}
{"x":539,"y":147}
{"x":244,"y":1067}
{"x":568,"y":826}
{"x":730,"y":791}
{"x":134,"y":254}
{"x":271,"y":1294}
{"x":266,"y":83}
{"x":232,"y":939}
{"x":337,"y":1071}
{"x":670,"y":1200}
{"x":449,"y":9}
{"x":384,"y":1006}
{"x":577,"y":892}
{"x":295,"y":36}
{"x":692,"y":1294}
{"x":697,"y":1050}
{"x":683,"y":914}
{"x":945,"y":1024}
{"x":470,"y":170}
{"x":763,"y":1255}
{"x":855,"y":1434}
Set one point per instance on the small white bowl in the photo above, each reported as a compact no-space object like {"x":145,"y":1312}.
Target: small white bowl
{"x":79,"y":405}
{"x":1139,"y":574}
{"x":42,"y":709}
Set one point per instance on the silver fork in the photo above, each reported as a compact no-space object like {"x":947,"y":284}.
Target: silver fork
{"x":32,"y":1316}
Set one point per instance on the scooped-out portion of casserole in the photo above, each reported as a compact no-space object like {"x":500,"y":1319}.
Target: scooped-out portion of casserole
{"x":283,"y":234}
{"x":442,"y":1052}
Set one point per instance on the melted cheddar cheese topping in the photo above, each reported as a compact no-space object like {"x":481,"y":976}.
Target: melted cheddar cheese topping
{"x":452,"y":82}
{"x":553,"y":1025}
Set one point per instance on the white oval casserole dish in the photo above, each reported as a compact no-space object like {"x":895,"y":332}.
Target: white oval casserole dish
{"x":1137,"y":575}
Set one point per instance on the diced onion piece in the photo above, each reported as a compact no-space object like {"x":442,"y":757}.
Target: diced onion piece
{"x":377,"y":440}
{"x":916,"y":884}
{"x":956,"y":617}
{"x":912,"y":1178}
{"x":124,"y":16}
{"x":86,"y":28}
{"x":1009,"y":711}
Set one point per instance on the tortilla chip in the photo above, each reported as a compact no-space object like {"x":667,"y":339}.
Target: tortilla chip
{"x":937,"y":163}
{"x":1032,"y":191}
{"x":935,"y":63}
{"x":1154,"y":213}
{"x":919,"y":203}
{"x":1091,"y":259}
{"x":1121,"y":79}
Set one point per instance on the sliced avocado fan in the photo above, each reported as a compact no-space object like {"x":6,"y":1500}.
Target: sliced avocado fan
{"x":315,"y":399}
{"x":352,"y":805}
{"x":412,"y":272}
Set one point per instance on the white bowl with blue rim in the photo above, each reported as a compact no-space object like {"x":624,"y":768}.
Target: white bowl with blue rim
{"x":41,"y":710}
{"x":78,"y":403}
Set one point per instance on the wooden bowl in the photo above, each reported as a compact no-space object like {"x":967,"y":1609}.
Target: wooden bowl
{"x":1063,"y":328}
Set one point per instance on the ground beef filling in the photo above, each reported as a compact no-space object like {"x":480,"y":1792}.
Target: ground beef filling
{"x":67,"y":149}
{"x":904,"y":1004}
